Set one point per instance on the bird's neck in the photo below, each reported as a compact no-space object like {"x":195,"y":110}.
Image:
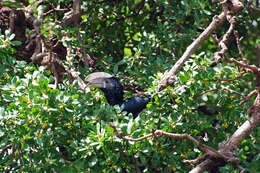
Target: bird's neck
{"x":114,"y":98}
{"x":114,"y":102}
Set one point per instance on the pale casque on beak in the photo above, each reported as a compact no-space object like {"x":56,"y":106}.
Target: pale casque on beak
{"x":98,"y":80}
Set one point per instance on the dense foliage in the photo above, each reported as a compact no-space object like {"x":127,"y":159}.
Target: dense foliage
{"x":49,"y":129}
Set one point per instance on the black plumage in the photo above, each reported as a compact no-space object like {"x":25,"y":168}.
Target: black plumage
{"x":114,"y":92}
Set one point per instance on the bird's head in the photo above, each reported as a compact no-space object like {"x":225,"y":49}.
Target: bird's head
{"x":110,"y":85}
{"x":102,"y":80}
{"x":103,"y":83}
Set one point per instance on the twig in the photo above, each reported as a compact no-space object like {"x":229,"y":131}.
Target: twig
{"x":232,"y":91}
{"x":232,"y":79}
{"x":239,"y":47}
{"x":205,"y":92}
{"x":247,"y":67}
{"x":53,"y":10}
{"x":246,"y":98}
{"x":249,"y":6}
{"x":215,"y":39}
{"x":197,"y":160}
{"x":223,"y":89}
{"x":5,"y":148}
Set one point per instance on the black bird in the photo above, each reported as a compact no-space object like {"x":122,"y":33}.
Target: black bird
{"x":114,"y":92}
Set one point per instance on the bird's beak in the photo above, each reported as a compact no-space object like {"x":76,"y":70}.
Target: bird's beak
{"x":97,"y":79}
{"x":97,"y":83}
{"x":96,"y":75}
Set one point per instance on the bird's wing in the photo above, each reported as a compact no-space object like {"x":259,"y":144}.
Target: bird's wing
{"x":135,"y":105}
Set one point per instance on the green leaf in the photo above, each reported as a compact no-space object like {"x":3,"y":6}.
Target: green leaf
{"x":204,"y":97}
{"x":39,"y":141}
{"x":129,"y":126}
{"x":2,"y":111}
{"x":246,"y":148}
{"x":11,"y":37}
{"x":8,"y":98}
{"x":127,"y":52}
{"x":115,"y":69}
{"x":7,"y":33}
{"x":16,"y":43}
{"x":93,"y":161}
{"x":12,"y":4}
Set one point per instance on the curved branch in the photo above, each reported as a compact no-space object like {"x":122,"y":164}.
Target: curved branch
{"x":159,"y":133}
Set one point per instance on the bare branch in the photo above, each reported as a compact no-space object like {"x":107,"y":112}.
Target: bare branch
{"x":232,"y":91}
{"x":53,"y":10}
{"x":74,"y":18}
{"x":204,"y":166}
{"x":120,"y":135}
{"x":223,"y":89}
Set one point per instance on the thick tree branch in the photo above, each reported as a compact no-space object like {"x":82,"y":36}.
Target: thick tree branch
{"x":233,"y":7}
{"x":229,"y":147}
{"x":169,"y":77}
{"x":75,"y":75}
{"x":74,"y":18}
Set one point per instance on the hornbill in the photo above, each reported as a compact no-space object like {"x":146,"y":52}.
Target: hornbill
{"x":114,"y":92}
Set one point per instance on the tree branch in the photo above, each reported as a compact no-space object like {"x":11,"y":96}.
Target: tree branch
{"x":235,"y":78}
{"x":222,"y":44}
{"x":230,"y":146}
{"x":252,"y":8}
{"x":170,"y":77}
{"x":251,"y":94}
{"x":75,"y":75}
{"x":159,"y":133}
{"x":234,"y":6}
{"x":5,"y":148}
{"x":252,"y":68}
